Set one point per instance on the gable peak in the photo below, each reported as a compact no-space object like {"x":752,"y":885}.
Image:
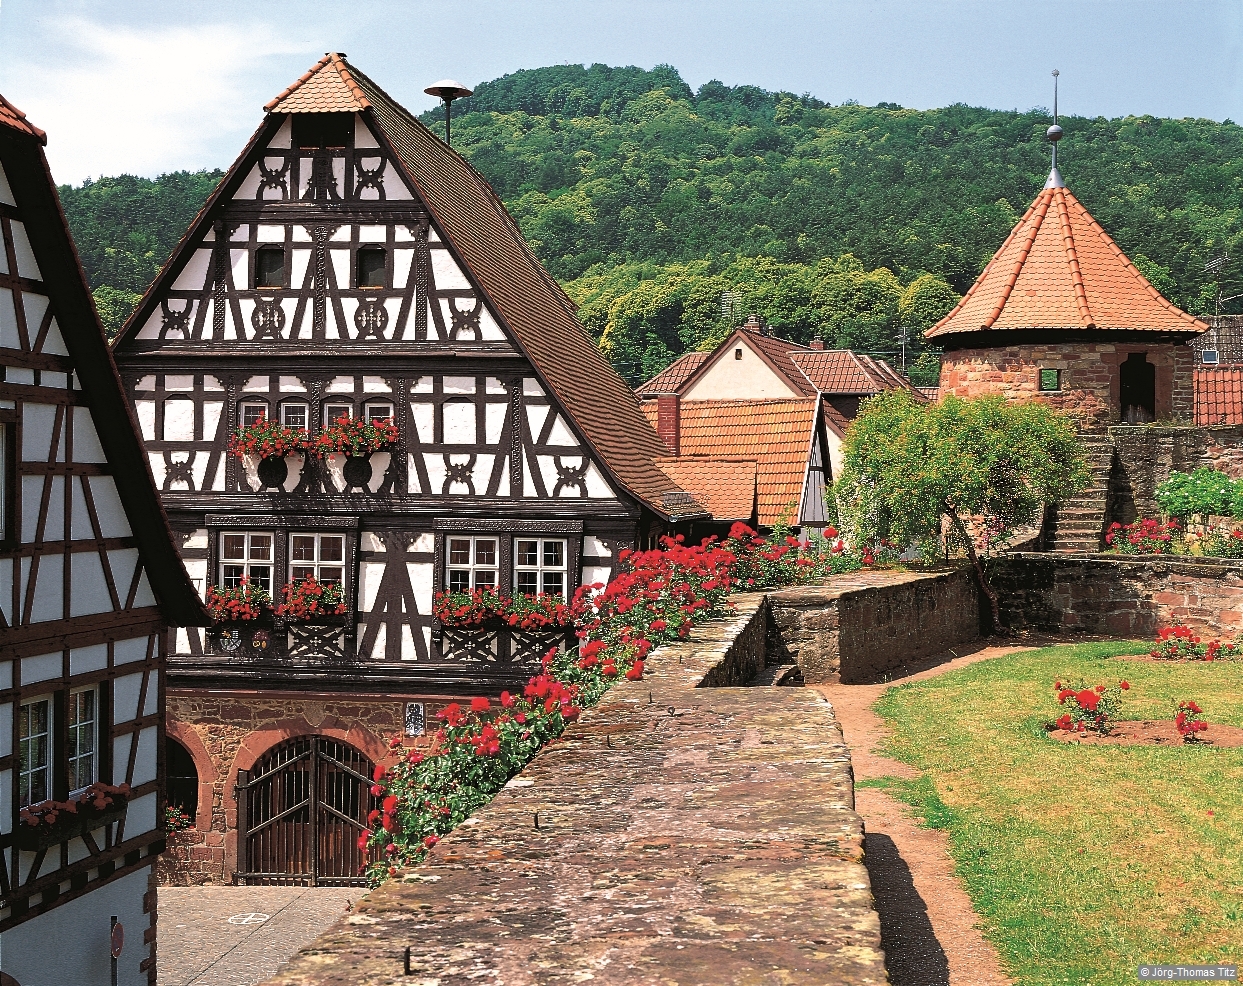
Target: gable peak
{"x":328,"y":86}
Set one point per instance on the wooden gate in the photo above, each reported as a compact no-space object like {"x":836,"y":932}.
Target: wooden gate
{"x":300,"y":811}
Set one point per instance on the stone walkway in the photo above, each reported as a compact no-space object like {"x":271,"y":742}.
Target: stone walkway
{"x":928,"y":927}
{"x":239,"y":936}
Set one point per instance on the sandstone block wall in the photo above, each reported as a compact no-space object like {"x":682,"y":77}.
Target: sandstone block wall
{"x":1147,"y":454}
{"x":859,"y":627}
{"x":1090,"y":376}
{"x":1126,"y":598}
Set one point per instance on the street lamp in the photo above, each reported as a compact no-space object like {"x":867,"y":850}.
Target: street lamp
{"x":448,"y":90}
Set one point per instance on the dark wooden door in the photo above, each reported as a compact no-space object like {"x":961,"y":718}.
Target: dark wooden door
{"x":300,"y":811}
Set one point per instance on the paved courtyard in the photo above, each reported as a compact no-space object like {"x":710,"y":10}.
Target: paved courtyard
{"x":239,"y":936}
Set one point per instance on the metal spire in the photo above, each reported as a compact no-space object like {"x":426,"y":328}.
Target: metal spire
{"x":1054,"y":133}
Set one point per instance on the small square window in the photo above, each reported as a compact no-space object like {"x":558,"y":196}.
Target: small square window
{"x":335,"y":412}
{"x":738,"y":353}
{"x":379,"y":411}
{"x":253,"y":412}
{"x":371,"y":267}
{"x":1050,"y":379}
{"x":317,"y":556}
{"x":539,"y":566}
{"x":294,"y":415}
{"x":471,"y":564}
{"x":246,"y":555}
{"x":270,"y":267}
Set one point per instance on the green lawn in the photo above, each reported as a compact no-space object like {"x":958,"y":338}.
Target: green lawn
{"x":1082,"y":861}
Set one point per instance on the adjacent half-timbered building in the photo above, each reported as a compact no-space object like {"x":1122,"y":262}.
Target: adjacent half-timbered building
{"x":89,"y":582}
{"x":352,"y":265}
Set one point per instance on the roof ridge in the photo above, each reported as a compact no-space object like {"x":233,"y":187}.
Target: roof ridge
{"x":15,"y":119}
{"x":1072,"y":258}
{"x":1041,"y":205}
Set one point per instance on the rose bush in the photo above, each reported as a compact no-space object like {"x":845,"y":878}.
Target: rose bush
{"x":1088,"y":708}
{"x":1188,"y":719}
{"x":1181,"y":643}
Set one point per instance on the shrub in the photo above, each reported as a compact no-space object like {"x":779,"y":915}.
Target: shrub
{"x":1144,"y":537}
{"x":310,"y":598}
{"x":1181,"y":643}
{"x":1189,"y":722}
{"x":1204,"y":491}
{"x":244,"y":601}
{"x":1222,"y":543}
{"x":355,"y":436}
{"x":265,"y":438}
{"x":1088,"y":709}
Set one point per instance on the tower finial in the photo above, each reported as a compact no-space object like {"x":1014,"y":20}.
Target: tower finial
{"x":1054,"y":133}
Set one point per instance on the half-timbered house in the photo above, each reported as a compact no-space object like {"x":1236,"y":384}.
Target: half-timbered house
{"x":89,"y":582}
{"x":350,"y":264}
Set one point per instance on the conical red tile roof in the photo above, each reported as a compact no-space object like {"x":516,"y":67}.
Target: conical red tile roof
{"x":1059,"y":270}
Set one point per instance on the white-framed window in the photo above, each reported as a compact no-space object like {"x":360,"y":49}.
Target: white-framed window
{"x":294,"y":414}
{"x":317,"y":556}
{"x":34,"y":746}
{"x":334,"y":411}
{"x":83,"y":732}
{"x":251,"y":411}
{"x":471,"y":563}
{"x":379,"y":410}
{"x":539,"y":566}
{"x":246,"y":555}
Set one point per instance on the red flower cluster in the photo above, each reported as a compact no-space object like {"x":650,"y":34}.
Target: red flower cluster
{"x":310,"y":598}
{"x":1144,"y":537}
{"x":244,"y":601}
{"x":265,"y":438}
{"x":479,"y":606}
{"x":1188,"y":722}
{"x":355,"y":436}
{"x":1181,"y":643}
{"x":1088,"y":708}
{"x":96,"y":799}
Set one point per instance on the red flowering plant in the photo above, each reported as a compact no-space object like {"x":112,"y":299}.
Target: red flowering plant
{"x":355,"y":436}
{"x":1088,"y":709}
{"x":1144,"y":537}
{"x":95,"y":800}
{"x":244,"y":601}
{"x":176,"y":818}
{"x":782,"y":559}
{"x":310,"y":598}
{"x":1189,"y":721}
{"x":266,"y":438}
{"x":1219,"y":542}
{"x":479,"y":606}
{"x":1181,"y":643}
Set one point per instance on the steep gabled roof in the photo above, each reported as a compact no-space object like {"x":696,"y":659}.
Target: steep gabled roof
{"x":11,"y":116}
{"x":328,"y":87}
{"x":40,"y":211}
{"x":775,"y":434}
{"x":726,"y":486}
{"x":1058,"y":269}
{"x":668,"y":380}
{"x":840,"y":371}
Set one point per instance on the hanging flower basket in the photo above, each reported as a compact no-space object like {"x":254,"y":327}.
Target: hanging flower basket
{"x":53,"y":822}
{"x":355,"y":437}
{"x":268,"y":440}
{"x":234,"y":604}
{"x":311,"y":601}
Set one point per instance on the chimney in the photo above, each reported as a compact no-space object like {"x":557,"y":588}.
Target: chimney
{"x":669,"y":421}
{"x":755,"y":324}
{"x":817,"y":343}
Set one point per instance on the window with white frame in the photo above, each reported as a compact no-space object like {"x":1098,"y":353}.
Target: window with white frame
{"x":294,"y":414}
{"x":539,"y":566}
{"x":317,"y":556}
{"x":379,"y":410}
{"x":34,"y":746}
{"x":471,"y":563}
{"x":246,"y":555}
{"x":83,"y":729}
{"x":334,"y":412}
{"x":251,"y":412}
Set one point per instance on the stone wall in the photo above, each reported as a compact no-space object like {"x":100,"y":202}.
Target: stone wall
{"x":859,"y":627}
{"x":1122,"y":597}
{"x":675,"y":834}
{"x":1147,"y":454}
{"x":1089,"y":382}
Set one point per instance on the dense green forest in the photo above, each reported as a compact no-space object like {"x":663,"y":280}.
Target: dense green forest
{"x":669,"y":214}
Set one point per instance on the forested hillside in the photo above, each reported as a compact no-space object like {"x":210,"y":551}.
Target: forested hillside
{"x":650,"y":202}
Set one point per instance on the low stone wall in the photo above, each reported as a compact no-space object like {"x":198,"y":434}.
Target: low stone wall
{"x":859,"y":627}
{"x":1126,"y":597}
{"x":675,"y":834}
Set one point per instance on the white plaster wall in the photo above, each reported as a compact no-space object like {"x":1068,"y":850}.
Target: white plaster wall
{"x":749,"y":378}
{"x":26,"y":264}
{"x":79,"y":933}
{"x":6,"y":193}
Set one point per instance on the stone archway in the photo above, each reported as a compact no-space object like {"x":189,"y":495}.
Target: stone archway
{"x":1137,"y":389}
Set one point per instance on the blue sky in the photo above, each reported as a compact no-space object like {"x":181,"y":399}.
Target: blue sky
{"x":143,"y":87}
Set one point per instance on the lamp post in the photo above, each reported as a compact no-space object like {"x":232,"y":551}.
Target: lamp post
{"x":448,"y":90}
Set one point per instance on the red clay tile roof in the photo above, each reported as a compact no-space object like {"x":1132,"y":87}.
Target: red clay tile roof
{"x":1219,"y":395}
{"x":840,"y":371}
{"x":775,"y":434}
{"x":668,"y":380}
{"x":725,"y":486}
{"x":12,"y":117}
{"x":932,"y":393}
{"x":328,"y":87}
{"x":1059,"y":270}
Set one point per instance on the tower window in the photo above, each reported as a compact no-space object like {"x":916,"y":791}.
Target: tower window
{"x":270,"y":267}
{"x":371,"y":267}
{"x":1050,"y":380}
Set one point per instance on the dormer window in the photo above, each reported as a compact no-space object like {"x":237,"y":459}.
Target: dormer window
{"x":270,"y":267}
{"x":371,"y":264}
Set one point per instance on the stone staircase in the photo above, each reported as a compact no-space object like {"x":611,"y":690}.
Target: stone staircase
{"x":1080,"y":521}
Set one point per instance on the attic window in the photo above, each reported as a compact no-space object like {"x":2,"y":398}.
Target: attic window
{"x":371,"y":267}
{"x":738,"y":353}
{"x":270,"y":267}
{"x":315,"y":130}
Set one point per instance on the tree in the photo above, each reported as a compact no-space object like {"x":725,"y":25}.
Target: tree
{"x":907,"y":466}
{"x":114,"y":305}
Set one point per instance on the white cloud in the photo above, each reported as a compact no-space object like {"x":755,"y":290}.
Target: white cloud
{"x":143,"y":101}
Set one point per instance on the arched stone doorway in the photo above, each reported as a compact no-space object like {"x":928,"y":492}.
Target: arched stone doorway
{"x":1137,"y":389}
{"x":300,"y":811}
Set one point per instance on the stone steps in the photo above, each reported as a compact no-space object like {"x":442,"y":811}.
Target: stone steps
{"x":1080,"y":519}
